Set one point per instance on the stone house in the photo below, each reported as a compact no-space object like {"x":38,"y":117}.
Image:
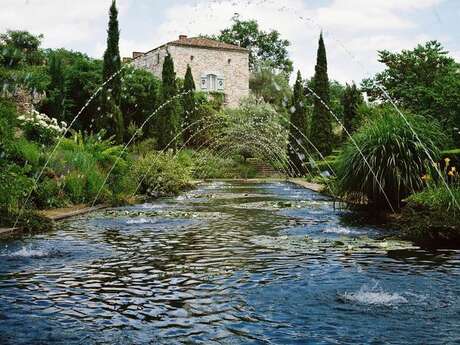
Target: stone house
{"x":216,"y":66}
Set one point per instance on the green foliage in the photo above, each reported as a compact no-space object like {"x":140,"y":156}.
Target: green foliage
{"x":168,"y":121}
{"x":264,"y":47}
{"x":55,"y":103}
{"x":161,"y":174}
{"x":139,"y":98}
{"x":19,"y":48}
{"x":395,"y":155}
{"x":321,"y":127}
{"x":437,"y":197}
{"x":26,"y":152}
{"x":40,"y":128}
{"x":453,"y":155}
{"x":190,"y":116}
{"x":18,"y":158}
{"x":351,"y":101}
{"x":82,"y":76}
{"x":82,"y":162}
{"x":206,"y":164}
{"x":50,"y":194}
{"x":112,"y":61}
{"x":298,"y":129}
{"x":111,"y":97}
{"x":271,"y":86}
{"x":206,"y":111}
{"x":424,"y":80}
{"x":7,"y":122}
{"x":28,"y":219}
{"x":142,"y":147}
{"x":252,"y":130}
{"x":14,"y":185}
{"x":116,"y":124}
{"x":432,"y":218}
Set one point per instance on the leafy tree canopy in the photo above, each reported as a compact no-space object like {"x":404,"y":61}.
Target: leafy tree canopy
{"x":271,"y":86}
{"x":424,"y":80}
{"x":20,"y":48}
{"x":265,"y":47}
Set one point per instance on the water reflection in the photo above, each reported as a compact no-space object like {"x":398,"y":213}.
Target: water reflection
{"x":226,"y":263}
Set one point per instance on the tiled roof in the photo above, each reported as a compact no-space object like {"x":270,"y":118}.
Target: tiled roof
{"x":205,"y":43}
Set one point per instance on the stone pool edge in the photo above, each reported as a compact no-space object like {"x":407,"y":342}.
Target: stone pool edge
{"x":56,"y":215}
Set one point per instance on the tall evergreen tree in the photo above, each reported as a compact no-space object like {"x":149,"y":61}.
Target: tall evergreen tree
{"x":351,"y":100}
{"x":321,"y":126}
{"x":112,"y":65}
{"x":168,"y":122}
{"x":55,"y":103}
{"x":298,"y":128}
{"x":188,"y":104}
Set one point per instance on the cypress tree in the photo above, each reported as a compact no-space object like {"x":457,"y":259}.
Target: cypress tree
{"x":188,"y":102}
{"x":55,"y":104}
{"x":351,"y":100}
{"x":111,"y":65}
{"x":321,"y":126}
{"x":298,"y":128}
{"x":168,"y":117}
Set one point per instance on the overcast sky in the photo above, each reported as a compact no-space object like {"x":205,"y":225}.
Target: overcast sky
{"x":354,"y":29}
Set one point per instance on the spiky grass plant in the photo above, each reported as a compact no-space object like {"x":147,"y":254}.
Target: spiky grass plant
{"x":394,"y":154}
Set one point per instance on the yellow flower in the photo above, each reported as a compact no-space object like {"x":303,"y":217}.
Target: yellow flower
{"x":425,"y":177}
{"x":454,"y":169}
{"x":450,"y":173}
{"x":447,"y":160}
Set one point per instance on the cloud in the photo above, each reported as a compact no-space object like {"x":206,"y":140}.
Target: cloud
{"x":63,"y":22}
{"x":354,"y":29}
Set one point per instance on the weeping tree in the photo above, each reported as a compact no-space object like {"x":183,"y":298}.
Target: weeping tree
{"x":113,"y":118}
{"x":189,"y":104}
{"x":298,"y":129}
{"x":168,"y":122}
{"x":321,"y":126}
{"x":351,"y":100}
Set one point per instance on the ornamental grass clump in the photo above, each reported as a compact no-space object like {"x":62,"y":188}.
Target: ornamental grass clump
{"x":397,"y":156}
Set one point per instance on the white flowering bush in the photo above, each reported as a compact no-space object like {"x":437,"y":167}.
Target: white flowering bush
{"x":41,"y":128}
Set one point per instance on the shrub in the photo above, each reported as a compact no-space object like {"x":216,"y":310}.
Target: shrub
{"x":85,"y":162}
{"x":437,"y":197}
{"x":207,"y":165}
{"x":14,"y":185}
{"x":161,"y":174}
{"x":26,"y":152}
{"x":49,"y":194}
{"x":396,"y":157}
{"x":28,"y":219}
{"x":41,"y":128}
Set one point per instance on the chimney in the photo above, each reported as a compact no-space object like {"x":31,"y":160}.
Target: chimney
{"x":182,"y":37}
{"x":137,"y":54}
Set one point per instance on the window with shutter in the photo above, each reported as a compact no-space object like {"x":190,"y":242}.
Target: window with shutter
{"x":220,"y":83}
{"x":204,"y":82}
{"x":212,"y":82}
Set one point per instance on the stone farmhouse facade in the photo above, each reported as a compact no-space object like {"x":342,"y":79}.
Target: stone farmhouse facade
{"x":216,"y":66}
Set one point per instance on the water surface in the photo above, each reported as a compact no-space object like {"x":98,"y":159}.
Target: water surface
{"x":227,"y":263}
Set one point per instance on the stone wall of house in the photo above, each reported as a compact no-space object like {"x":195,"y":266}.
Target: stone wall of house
{"x":231,"y":66}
